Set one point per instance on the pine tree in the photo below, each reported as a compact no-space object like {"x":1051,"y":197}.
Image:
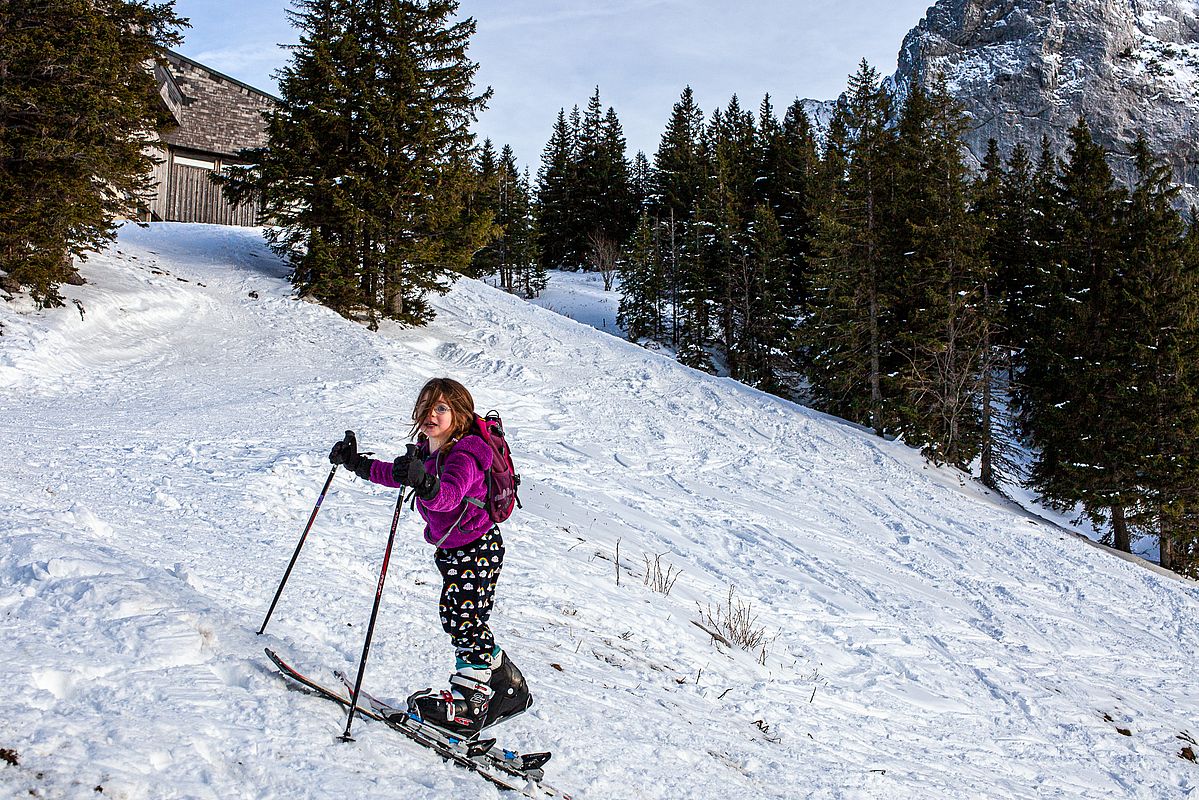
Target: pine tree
{"x":679,"y":169}
{"x":725,"y":214}
{"x":619,"y":206}
{"x":765,"y":311}
{"x":369,"y":167}
{"x":696,"y":289}
{"x":296,"y":174}
{"x":1040,"y":286}
{"x":487,"y":199}
{"x":1011,"y":212}
{"x":1161,"y":365}
{"x":1015,"y":252}
{"x":641,"y":184}
{"x":555,"y":199}
{"x":679,"y":180}
{"x":641,"y":284}
{"x":1030,"y":273}
{"x":985,"y":209}
{"x":516,"y":218}
{"x":786,"y":172}
{"x":997,"y":445}
{"x":79,"y":110}
{"x":586,"y":203}
{"x":848,"y":342}
{"x":790,"y":165}
{"x":590,"y":176}
{"x":532,"y":277}
{"x":1072,"y":379}
{"x":945,"y":315}
{"x":605,"y":202}
{"x":691,"y":298}
{"x":511,"y":255}
{"x":768,"y":134}
{"x":1179,"y":524}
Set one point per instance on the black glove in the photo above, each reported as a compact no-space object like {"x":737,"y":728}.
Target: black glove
{"x":345,"y":453}
{"x":409,"y":470}
{"x":401,"y":466}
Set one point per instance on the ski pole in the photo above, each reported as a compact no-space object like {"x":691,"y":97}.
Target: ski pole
{"x":349,"y":438}
{"x":370,"y":629}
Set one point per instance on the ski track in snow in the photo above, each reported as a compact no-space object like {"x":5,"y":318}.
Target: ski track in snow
{"x":165,"y":450}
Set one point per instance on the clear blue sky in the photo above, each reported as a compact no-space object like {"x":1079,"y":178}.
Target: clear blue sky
{"x":540,"y":56}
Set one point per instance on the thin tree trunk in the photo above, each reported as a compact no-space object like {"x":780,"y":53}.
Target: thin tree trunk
{"x":658,"y":287}
{"x":1120,"y":530}
{"x":1165,"y":543}
{"x":952,"y":391}
{"x":876,"y":392}
{"x":987,"y":454}
{"x":674,"y":279}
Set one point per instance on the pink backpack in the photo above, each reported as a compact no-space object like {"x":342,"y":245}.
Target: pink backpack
{"x":502,"y":480}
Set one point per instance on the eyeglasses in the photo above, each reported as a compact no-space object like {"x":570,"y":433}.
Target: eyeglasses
{"x":440,"y":409}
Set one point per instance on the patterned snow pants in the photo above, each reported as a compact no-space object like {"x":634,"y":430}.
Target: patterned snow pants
{"x":468,"y":578}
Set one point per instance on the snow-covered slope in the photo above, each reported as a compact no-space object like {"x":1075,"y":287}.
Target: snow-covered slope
{"x":164,"y":445}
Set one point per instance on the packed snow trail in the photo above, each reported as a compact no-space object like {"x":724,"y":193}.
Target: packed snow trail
{"x":166,"y":443}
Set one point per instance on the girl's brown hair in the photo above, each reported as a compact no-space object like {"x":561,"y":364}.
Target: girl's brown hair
{"x":454,"y":395}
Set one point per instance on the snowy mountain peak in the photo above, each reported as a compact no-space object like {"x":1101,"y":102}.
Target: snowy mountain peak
{"x":1024,"y":68}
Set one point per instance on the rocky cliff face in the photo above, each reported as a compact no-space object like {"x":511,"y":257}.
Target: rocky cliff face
{"x":1024,"y":68}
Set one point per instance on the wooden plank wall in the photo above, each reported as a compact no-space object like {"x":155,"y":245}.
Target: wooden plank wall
{"x":158,"y":203}
{"x":192,"y":197}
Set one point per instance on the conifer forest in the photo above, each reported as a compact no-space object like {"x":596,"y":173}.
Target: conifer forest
{"x":1027,"y":305}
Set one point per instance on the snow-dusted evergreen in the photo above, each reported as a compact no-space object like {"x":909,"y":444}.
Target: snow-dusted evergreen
{"x":166,"y":439}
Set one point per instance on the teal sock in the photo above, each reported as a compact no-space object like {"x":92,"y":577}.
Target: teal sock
{"x":462,"y":663}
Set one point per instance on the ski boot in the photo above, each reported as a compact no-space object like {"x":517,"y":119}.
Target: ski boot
{"x":460,"y":709}
{"x":478,"y":697}
{"x":510,"y":693}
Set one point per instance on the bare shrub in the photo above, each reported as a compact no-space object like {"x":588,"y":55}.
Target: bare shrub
{"x":737,"y":623}
{"x":658,"y":579}
{"x":603,"y":256}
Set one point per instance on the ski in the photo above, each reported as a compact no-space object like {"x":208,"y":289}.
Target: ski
{"x":505,"y":768}
{"x":529,"y":764}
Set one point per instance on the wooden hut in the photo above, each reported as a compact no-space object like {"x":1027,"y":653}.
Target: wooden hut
{"x":217,"y":116}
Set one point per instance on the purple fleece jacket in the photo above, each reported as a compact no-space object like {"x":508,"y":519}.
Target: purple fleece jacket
{"x":463,"y":472}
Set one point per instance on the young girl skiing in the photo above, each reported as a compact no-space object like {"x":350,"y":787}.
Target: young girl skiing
{"x":448,"y":465}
